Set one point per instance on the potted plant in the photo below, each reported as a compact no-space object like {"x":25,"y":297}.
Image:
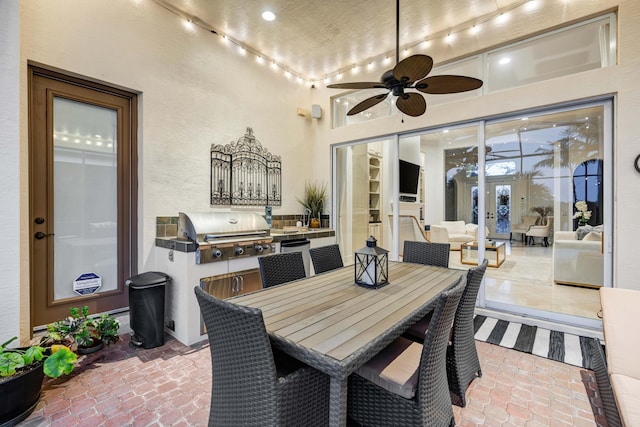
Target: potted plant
{"x":106,"y":328}
{"x":71,"y":331}
{"x":21,"y":373}
{"x":583,"y":215}
{"x":314,"y":196}
{"x":81,"y":333}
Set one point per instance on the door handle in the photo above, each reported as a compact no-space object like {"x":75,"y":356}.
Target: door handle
{"x":40,"y":235}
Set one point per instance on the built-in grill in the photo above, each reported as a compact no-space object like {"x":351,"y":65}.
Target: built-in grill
{"x":222,"y":236}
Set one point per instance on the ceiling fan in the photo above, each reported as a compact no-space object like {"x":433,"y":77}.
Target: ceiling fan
{"x":409,"y":74}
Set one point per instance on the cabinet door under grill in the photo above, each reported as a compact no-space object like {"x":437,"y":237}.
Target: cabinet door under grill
{"x":232,"y":284}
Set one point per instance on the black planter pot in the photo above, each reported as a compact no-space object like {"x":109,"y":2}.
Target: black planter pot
{"x":95,"y":346}
{"x":20,"y":395}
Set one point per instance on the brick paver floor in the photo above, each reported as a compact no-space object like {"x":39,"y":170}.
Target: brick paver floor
{"x":170,"y":386}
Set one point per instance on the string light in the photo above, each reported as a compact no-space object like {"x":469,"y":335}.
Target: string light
{"x":469,"y":28}
{"x":499,"y":16}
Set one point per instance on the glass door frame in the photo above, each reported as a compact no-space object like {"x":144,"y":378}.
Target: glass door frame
{"x":608,"y":136}
{"x":607,"y":154}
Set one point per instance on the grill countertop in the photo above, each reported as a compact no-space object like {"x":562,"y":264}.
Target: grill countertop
{"x":277,"y":234}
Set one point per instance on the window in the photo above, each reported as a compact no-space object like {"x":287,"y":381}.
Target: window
{"x":574,"y":49}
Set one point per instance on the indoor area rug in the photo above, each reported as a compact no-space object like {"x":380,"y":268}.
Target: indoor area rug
{"x":554,"y":345}
{"x":532,"y":270}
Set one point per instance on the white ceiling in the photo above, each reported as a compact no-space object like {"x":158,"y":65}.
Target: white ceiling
{"x":316,"y":38}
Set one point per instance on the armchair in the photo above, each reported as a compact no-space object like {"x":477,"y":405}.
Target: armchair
{"x":540,"y":231}
{"x":455,"y":233}
{"x":527,"y":222}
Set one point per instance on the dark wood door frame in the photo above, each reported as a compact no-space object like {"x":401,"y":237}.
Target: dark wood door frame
{"x":44,"y":85}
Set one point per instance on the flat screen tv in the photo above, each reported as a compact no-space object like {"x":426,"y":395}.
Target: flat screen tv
{"x":409,"y":176}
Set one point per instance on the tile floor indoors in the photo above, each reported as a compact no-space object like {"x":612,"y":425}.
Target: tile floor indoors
{"x":170,"y":386}
{"x":526,"y":280}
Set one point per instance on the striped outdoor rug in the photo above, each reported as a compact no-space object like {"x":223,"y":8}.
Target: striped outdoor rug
{"x":560,"y":346}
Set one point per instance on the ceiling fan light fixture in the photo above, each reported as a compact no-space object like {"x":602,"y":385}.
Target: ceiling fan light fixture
{"x":410,"y":73}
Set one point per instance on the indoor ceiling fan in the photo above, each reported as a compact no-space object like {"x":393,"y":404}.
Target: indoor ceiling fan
{"x":409,"y":74}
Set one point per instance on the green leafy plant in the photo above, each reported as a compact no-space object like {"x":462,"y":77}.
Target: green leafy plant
{"x":80,"y":330}
{"x":314,"y":197}
{"x":107,"y":329}
{"x":71,"y":331}
{"x":57,"y":361}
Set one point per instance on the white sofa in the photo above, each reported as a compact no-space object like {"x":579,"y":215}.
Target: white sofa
{"x":578,"y":262}
{"x":619,"y":309}
{"x":455,"y":233}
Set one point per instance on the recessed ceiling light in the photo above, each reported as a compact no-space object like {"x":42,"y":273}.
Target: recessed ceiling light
{"x":267,"y":15}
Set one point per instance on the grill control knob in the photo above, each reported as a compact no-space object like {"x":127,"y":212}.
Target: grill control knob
{"x":266,"y":246}
{"x":258,"y":248}
{"x":217,"y":253}
{"x":238,"y":250}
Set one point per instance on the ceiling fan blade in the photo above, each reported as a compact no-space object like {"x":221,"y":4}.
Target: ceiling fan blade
{"x":356,"y":85}
{"x":367,"y":103}
{"x":413,"y":68}
{"x":448,"y":84}
{"x":411,"y":104}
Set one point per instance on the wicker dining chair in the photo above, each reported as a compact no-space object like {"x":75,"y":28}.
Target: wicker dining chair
{"x":326,"y":258}
{"x":436,"y":254}
{"x":281,"y":268}
{"x":249,"y":387}
{"x":425,"y":399}
{"x":462,"y":356}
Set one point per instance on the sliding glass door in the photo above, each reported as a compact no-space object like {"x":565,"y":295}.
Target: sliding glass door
{"x":539,"y":168}
{"x":519,"y":185}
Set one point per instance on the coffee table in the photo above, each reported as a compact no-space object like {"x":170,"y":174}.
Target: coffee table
{"x":493,"y":251}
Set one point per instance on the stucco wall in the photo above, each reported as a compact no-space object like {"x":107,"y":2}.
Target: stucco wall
{"x":194,"y":91}
{"x":619,"y":81}
{"x":9,"y":182}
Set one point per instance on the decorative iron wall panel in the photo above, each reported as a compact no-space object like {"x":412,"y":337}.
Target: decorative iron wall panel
{"x":243,"y":173}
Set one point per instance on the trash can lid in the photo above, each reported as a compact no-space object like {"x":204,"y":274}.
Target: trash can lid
{"x":147,"y":280}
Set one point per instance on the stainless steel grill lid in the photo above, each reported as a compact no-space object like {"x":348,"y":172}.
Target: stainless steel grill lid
{"x":216,"y":226}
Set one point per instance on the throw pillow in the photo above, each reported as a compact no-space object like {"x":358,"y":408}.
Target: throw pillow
{"x":594,"y":236}
{"x":583,"y":231}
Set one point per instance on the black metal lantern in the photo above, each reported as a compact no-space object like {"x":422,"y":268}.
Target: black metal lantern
{"x":372,"y":265}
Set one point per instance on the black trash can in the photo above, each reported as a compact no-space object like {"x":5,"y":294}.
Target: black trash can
{"x":146,"y":308}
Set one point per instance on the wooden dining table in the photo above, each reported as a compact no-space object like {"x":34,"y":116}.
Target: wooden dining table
{"x":336,"y":326}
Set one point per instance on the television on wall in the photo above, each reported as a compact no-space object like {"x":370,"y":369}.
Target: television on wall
{"x":409,"y":177}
